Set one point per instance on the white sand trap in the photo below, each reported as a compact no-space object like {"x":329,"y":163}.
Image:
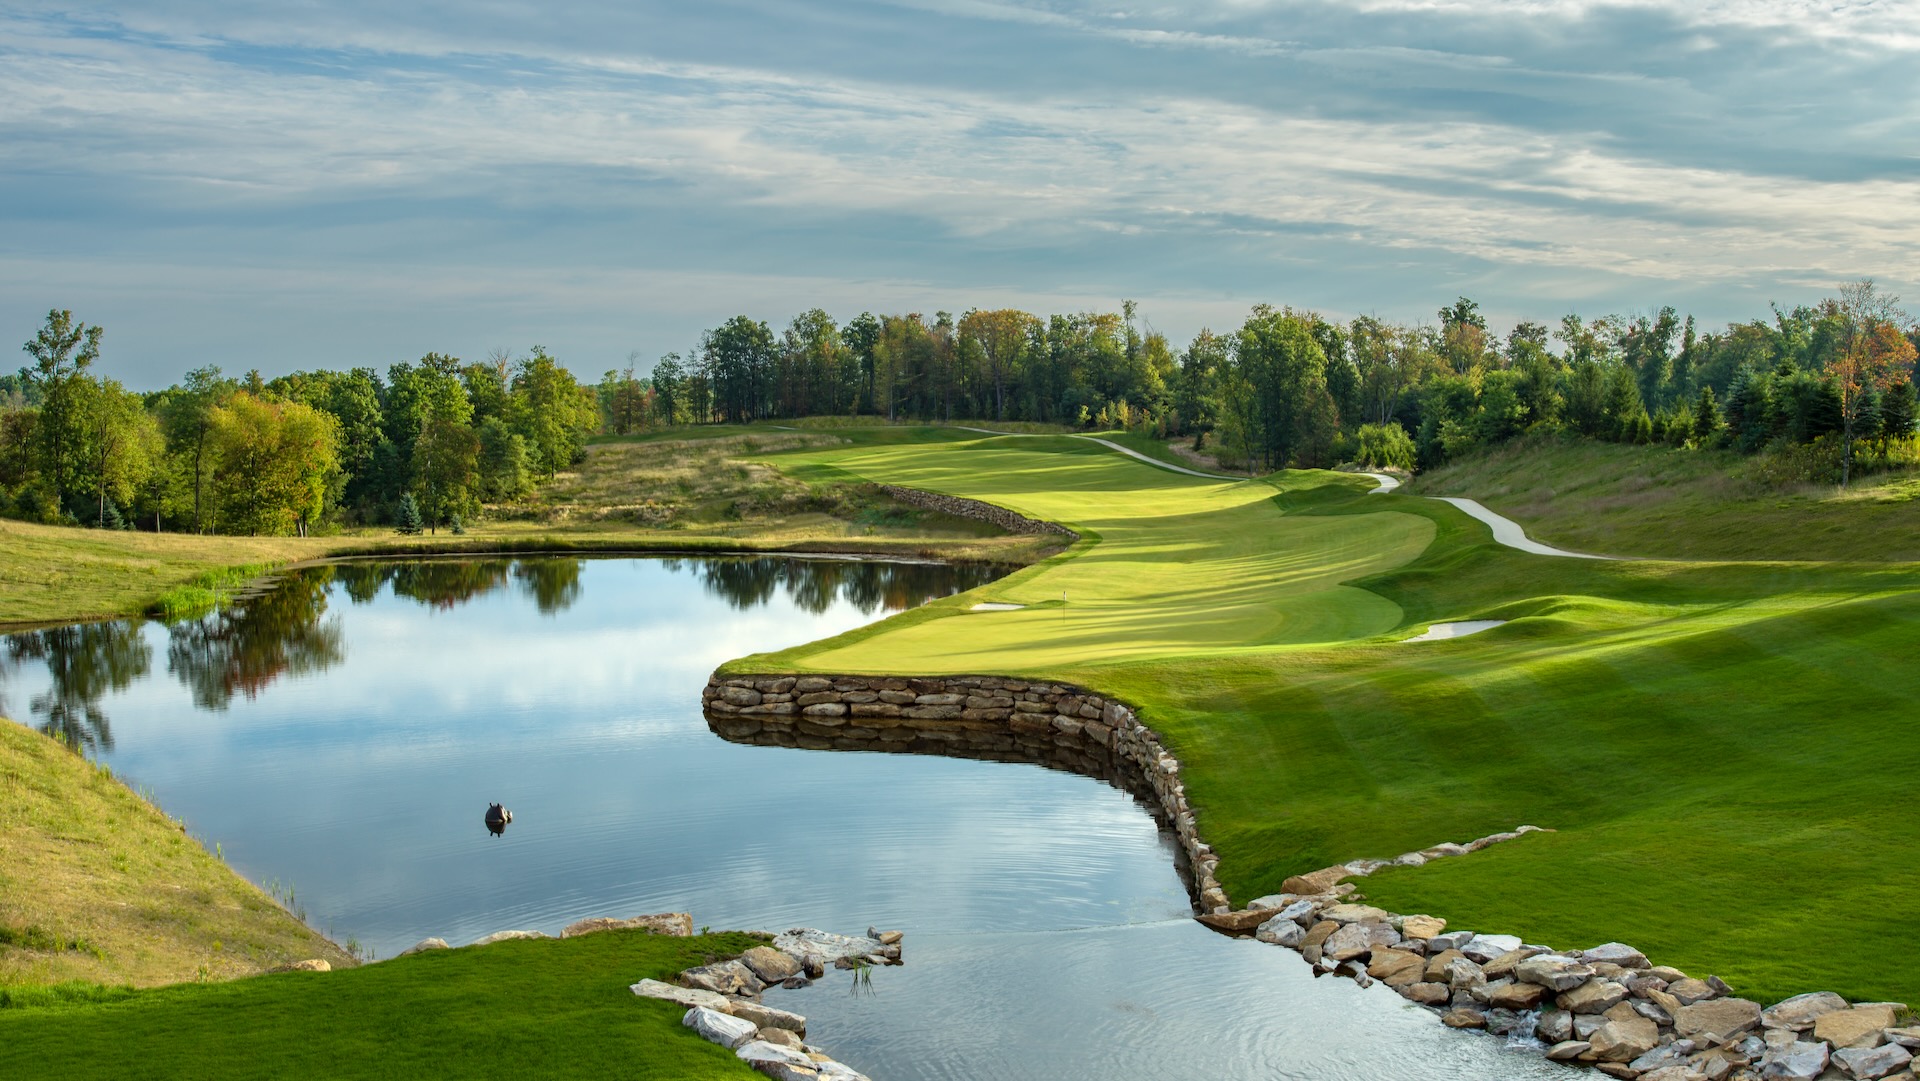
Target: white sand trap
{"x":1456,"y":630}
{"x":996,"y":606}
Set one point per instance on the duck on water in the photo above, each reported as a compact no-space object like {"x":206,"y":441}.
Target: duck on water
{"x":497,"y":819}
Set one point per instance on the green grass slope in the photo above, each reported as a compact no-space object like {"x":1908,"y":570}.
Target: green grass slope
{"x":1726,"y":749}
{"x":1681,"y":504}
{"x":98,"y":885}
{"x":516,"y":1009}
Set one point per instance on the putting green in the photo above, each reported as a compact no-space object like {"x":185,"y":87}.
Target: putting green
{"x":1726,"y":749}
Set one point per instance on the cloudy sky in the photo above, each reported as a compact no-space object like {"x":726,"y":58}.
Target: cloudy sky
{"x":348,"y":182}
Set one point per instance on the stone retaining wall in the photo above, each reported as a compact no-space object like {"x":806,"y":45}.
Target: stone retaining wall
{"x":1053,"y":724}
{"x":976,"y":510}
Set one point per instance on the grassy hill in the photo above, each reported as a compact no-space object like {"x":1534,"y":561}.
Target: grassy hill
{"x":1725,"y":748}
{"x":549,"y":1008}
{"x":1681,"y":504}
{"x":97,"y":885}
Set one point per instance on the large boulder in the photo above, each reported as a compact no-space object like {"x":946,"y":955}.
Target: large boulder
{"x":1858,"y":1027}
{"x":1509,"y":962}
{"x":1321,"y":881}
{"x":1397,"y":968}
{"x":685,"y":996}
{"x":1594,"y":996}
{"x":1485,"y":948}
{"x":1355,"y":914}
{"x":1801,"y":1011}
{"x":1359,"y":939}
{"x":1422,"y":927}
{"x":1624,"y":1040}
{"x":1427,"y":994}
{"x":1237,"y":923}
{"x":1720,"y":1018}
{"x":1798,"y":1061}
{"x":1437,"y":964}
{"x":779,"y":1063}
{"x":1615,"y":953}
{"x":1554,"y":1026}
{"x":1551,"y":971}
{"x":1313,"y":947}
{"x":424,"y":945}
{"x":677,"y":924}
{"x":1517,"y":996}
{"x":507,"y":936}
{"x":825,"y":945}
{"x":1449,"y":940}
{"x":767,"y":1018}
{"x":1873,"y":1063}
{"x":1690,"y":990}
{"x":1464,"y":1017}
{"x":715,"y":1027}
{"x":1568,"y":1050}
{"x":771,"y":965}
{"x":1281,"y":932}
{"x":724,"y":978}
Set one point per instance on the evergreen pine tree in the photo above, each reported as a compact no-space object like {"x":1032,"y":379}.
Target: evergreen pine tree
{"x":407,"y":518}
{"x":1897,"y":410}
{"x":1706,"y":418}
{"x":457,"y":527}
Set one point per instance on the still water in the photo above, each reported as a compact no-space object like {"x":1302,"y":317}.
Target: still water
{"x":340,"y":738}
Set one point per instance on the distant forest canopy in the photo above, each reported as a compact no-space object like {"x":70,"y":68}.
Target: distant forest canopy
{"x":1824,"y":390}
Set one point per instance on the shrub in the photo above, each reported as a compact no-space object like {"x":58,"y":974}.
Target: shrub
{"x":1383,"y":446}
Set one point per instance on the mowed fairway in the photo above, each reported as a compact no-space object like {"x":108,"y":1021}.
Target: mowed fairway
{"x":1726,"y":750}
{"x":1181,"y":565}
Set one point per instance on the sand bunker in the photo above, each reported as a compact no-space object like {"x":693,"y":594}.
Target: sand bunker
{"x":1456,"y":630}
{"x":995,"y":606}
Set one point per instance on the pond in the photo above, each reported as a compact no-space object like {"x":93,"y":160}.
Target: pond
{"x":340,"y":737}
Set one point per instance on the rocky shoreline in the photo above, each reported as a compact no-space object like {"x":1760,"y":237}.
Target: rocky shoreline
{"x":1608,"y":1007}
{"x":723,"y":998}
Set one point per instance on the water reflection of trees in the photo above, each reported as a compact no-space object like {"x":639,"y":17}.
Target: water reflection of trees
{"x":814,"y":584}
{"x":84,"y":663}
{"x":553,"y":584}
{"x":247,"y":645}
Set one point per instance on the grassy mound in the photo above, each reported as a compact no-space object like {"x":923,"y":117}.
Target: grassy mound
{"x":1726,"y":749}
{"x":97,"y":885}
{"x":1658,"y":502}
{"x":544,"y":1008}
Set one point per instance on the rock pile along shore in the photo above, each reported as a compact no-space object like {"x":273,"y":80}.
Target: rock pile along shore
{"x":976,"y":510}
{"x":1607,"y":1007}
{"x":723,"y":998}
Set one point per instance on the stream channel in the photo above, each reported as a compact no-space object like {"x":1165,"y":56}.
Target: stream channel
{"x":340,"y":737}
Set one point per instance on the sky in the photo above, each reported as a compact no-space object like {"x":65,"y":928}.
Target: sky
{"x":354,"y":182}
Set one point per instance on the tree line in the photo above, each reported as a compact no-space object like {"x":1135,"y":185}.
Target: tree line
{"x":1826,"y":386}
{"x":424,"y":445}
{"x":1290,"y":388}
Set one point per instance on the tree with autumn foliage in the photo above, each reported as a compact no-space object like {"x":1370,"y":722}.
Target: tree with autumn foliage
{"x":1874,"y":353}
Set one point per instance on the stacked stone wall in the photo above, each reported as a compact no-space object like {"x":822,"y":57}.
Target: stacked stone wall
{"x":1054,"y":724}
{"x":976,"y":510}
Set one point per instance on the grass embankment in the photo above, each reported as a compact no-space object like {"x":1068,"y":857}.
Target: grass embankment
{"x":1681,"y":504}
{"x":549,"y":1009}
{"x":692,"y":490}
{"x":97,"y":885}
{"x":1726,"y":749}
